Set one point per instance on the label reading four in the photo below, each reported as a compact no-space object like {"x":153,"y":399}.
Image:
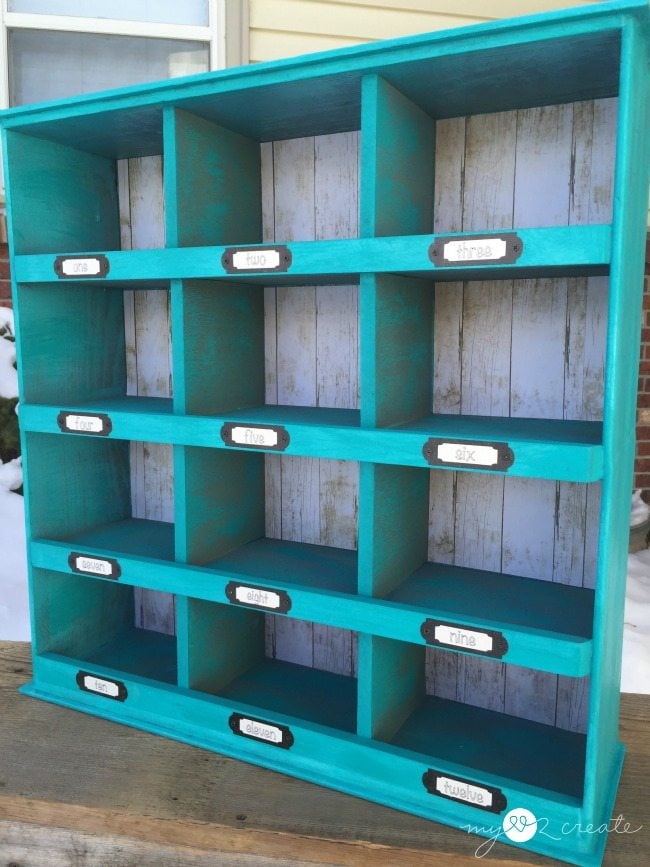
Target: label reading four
{"x":466,"y":791}
{"x":114,"y":689}
{"x":88,"y":565}
{"x":81,"y":266}
{"x":260,"y":730}
{"x":70,"y":422}
{"x":258,"y":437}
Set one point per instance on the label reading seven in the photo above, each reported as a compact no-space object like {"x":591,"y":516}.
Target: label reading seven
{"x":88,"y":565}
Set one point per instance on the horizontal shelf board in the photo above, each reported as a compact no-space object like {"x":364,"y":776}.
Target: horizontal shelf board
{"x":317,"y":567}
{"x":502,"y":600}
{"x":137,"y":651}
{"x":528,"y":752}
{"x":295,"y":690}
{"x":320,"y":93}
{"x":135,"y":536}
{"x":543,"y":448}
{"x":553,"y":250}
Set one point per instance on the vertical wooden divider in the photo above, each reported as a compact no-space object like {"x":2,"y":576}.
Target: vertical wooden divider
{"x":397,"y":164}
{"x":212,"y":197}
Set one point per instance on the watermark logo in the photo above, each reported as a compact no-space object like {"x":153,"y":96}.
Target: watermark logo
{"x":520,"y":825}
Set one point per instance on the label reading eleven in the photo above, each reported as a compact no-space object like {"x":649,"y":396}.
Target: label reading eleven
{"x":260,"y":731}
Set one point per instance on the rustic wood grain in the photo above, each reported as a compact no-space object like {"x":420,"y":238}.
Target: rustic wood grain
{"x":99,"y":793}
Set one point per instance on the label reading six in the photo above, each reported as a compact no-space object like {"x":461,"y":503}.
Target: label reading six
{"x":463,"y":453}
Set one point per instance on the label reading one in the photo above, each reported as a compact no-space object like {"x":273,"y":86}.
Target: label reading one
{"x":257,"y":596}
{"x":475,"y":250}
{"x":466,"y":639}
{"x":466,"y":453}
{"x":261,"y":437}
{"x":81,"y":266}
{"x":462,"y":791}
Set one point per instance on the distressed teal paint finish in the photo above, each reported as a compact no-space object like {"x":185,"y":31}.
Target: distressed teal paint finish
{"x":376,"y":734}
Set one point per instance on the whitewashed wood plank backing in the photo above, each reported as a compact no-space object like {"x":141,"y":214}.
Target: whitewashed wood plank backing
{"x":148,"y":353}
{"x":554,"y":334}
{"x":310,"y":191}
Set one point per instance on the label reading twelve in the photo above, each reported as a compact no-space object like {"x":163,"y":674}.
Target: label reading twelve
{"x":462,"y":791}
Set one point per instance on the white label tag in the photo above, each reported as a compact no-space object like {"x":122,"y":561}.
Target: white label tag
{"x":475,"y":250}
{"x":255,"y":596}
{"x":104,"y":687}
{"x":463,"y":638}
{"x":255,"y":260}
{"x":466,"y":453}
{"x":94,"y":566}
{"x":262,"y":437}
{"x":75,"y":267}
{"x":261,"y":731}
{"x":84,"y":423}
{"x":466,"y":792}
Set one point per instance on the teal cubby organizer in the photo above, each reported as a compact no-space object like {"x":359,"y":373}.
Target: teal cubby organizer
{"x":350,"y":565}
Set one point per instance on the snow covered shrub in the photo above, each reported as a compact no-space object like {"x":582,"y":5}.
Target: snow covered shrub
{"x":9,"y":441}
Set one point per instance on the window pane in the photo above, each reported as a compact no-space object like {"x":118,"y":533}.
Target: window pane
{"x":160,"y":11}
{"x":44,"y":64}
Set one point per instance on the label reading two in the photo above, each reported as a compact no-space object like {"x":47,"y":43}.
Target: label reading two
{"x":88,"y":565}
{"x":114,"y":689}
{"x":458,"y":636}
{"x":250,"y":260}
{"x":98,"y":424}
{"x":273,"y":437}
{"x":480,"y":455}
{"x":261,"y":730}
{"x":81,"y":266}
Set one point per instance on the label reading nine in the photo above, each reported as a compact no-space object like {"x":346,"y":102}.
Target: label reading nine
{"x":467,"y":639}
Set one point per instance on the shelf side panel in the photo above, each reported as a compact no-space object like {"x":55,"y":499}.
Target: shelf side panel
{"x":397,"y":162}
{"x":66,"y":355}
{"x":62,"y":199}
{"x":212,"y":183}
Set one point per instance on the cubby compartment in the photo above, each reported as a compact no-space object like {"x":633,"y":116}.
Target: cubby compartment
{"x":226,"y":657}
{"x":97,"y":486}
{"x":68,"y":362}
{"x":281,"y":521}
{"x":97,"y":626}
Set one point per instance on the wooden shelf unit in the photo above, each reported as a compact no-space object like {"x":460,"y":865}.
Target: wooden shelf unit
{"x":328,"y":382}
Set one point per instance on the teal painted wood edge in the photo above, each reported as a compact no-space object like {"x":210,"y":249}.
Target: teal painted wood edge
{"x":535,"y":456}
{"x":368,"y":769}
{"x":557,"y":652}
{"x":545,"y":250}
{"x":356,"y":59}
{"x":620,"y":399}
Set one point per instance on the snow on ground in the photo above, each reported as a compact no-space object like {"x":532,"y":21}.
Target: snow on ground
{"x":14,"y":602}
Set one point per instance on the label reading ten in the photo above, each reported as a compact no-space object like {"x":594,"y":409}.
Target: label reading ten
{"x":104,"y":687}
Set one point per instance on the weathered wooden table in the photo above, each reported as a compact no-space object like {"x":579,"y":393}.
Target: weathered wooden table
{"x":82,"y":791}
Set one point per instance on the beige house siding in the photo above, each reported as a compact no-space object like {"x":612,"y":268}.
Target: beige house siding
{"x":284,"y":28}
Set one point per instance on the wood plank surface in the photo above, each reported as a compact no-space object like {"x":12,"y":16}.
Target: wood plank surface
{"x":83,"y":791}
